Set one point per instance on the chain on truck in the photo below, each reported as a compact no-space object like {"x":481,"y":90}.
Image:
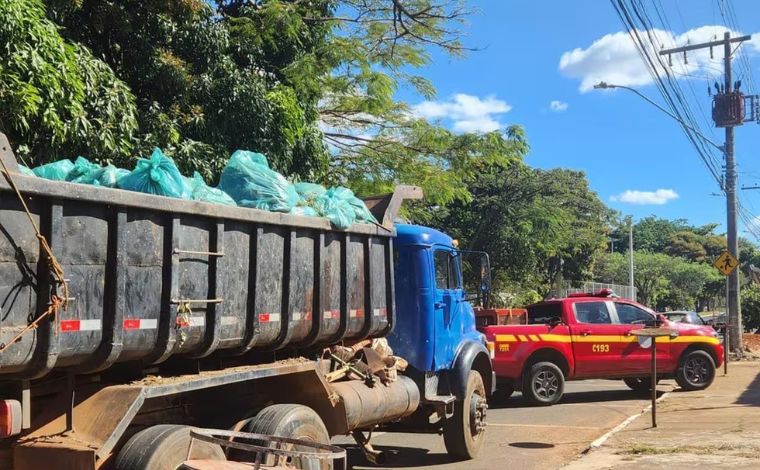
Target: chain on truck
{"x":128,"y":319}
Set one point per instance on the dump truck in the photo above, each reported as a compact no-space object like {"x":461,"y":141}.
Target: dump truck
{"x":130,"y":319}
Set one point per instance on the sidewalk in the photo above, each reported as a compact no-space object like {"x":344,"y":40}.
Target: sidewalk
{"x":716,"y":428}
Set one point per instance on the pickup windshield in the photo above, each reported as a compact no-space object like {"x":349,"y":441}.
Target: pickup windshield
{"x":540,"y":314}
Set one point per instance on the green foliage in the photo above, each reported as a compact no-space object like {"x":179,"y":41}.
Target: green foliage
{"x":56,"y":98}
{"x":538,"y":226}
{"x":750,"y":302}
{"x":206,"y":84}
{"x":662,"y":281}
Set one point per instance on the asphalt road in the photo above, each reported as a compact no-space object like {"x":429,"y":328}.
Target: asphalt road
{"x":520,"y":436}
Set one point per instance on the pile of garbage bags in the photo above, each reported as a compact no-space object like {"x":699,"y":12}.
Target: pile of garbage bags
{"x":247,"y":181}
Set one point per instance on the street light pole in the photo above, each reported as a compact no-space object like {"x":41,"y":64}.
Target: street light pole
{"x":630,"y":258}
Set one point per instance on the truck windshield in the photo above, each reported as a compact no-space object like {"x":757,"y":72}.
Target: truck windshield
{"x":540,"y":314}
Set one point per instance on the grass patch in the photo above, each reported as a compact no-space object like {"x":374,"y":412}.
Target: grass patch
{"x":644,"y":449}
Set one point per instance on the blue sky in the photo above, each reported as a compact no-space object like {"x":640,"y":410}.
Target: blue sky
{"x":636,"y":158}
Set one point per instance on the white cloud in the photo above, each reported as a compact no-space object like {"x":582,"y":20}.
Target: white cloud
{"x":467,"y":113}
{"x":558,"y":106}
{"x":634,"y":196}
{"x":614,"y":58}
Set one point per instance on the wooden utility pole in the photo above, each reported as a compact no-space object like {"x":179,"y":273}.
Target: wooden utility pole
{"x":720,"y":105}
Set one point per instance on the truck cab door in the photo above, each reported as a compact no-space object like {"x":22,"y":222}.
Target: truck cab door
{"x":596,"y":339}
{"x":447,"y":305}
{"x":634,"y":358}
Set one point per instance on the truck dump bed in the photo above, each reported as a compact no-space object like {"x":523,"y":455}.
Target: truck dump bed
{"x":151,"y":277}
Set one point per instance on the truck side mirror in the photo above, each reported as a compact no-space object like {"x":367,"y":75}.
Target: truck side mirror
{"x":485,"y":273}
{"x":554,"y":321}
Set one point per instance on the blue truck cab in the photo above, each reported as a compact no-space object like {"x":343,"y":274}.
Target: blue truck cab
{"x":435,"y":332}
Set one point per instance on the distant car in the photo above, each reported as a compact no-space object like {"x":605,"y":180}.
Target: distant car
{"x":717,"y":322}
{"x":685,"y":317}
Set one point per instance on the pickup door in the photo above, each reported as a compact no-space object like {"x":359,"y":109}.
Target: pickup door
{"x":635,"y":358}
{"x":597,"y":339}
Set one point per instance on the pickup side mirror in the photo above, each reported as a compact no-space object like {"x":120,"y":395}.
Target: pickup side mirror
{"x":555,"y":321}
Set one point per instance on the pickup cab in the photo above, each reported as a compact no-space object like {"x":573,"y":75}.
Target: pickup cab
{"x":588,"y":336}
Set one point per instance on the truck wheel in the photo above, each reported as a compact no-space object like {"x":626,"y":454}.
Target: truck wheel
{"x":164,"y":447}
{"x":696,"y":371}
{"x":639,"y":384}
{"x":543,"y":384}
{"x":464,"y":432}
{"x":294,"y":421}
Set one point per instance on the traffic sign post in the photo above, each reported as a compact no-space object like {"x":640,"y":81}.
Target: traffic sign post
{"x":648,"y":339}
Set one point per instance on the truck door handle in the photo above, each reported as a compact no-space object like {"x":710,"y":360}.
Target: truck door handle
{"x":585,"y":332}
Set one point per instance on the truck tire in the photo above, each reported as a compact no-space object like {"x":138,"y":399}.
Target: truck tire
{"x":543,"y":384}
{"x":696,"y":370}
{"x":463,"y":433}
{"x":163,"y":447}
{"x":294,"y":421}
{"x":639,"y":384}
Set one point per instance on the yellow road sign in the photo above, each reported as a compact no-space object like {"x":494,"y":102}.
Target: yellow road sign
{"x":726,"y":263}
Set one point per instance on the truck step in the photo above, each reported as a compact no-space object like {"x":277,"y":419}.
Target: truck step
{"x":442,"y":399}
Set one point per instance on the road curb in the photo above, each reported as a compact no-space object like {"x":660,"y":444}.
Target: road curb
{"x":603,"y":438}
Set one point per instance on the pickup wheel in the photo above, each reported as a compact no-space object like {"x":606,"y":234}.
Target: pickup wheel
{"x":543,"y":384}
{"x":164,"y":447}
{"x":464,"y":432}
{"x":639,"y":384}
{"x":696,"y":371}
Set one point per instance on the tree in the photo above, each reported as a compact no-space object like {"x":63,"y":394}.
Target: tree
{"x":538,"y":226}
{"x":650,"y":233}
{"x":56,"y":98}
{"x":662,"y":281}
{"x":750,"y":301}
{"x":199,"y":94}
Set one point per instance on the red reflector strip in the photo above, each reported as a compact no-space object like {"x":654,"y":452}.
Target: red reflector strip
{"x":80,"y":325}
{"x":269,"y":317}
{"x":140,"y":324}
{"x":302,"y":316}
{"x":356,"y":313}
{"x":331,"y":314}
{"x":380,"y":312}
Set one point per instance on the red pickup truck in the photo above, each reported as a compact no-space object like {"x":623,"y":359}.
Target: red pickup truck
{"x":588,"y":336}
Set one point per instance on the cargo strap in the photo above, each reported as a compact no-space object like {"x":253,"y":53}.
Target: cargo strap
{"x":55,"y":267}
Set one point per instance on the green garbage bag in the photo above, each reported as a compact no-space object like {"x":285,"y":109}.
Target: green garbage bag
{"x":204,"y":192}
{"x":361,"y":212}
{"x":108,"y":176}
{"x":309,"y":191}
{"x":83,"y":171}
{"x":156,"y":175}
{"x":251,"y":183}
{"x":25,"y":170}
{"x":57,"y":171}
{"x":337,"y":210}
{"x":305,"y":211}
